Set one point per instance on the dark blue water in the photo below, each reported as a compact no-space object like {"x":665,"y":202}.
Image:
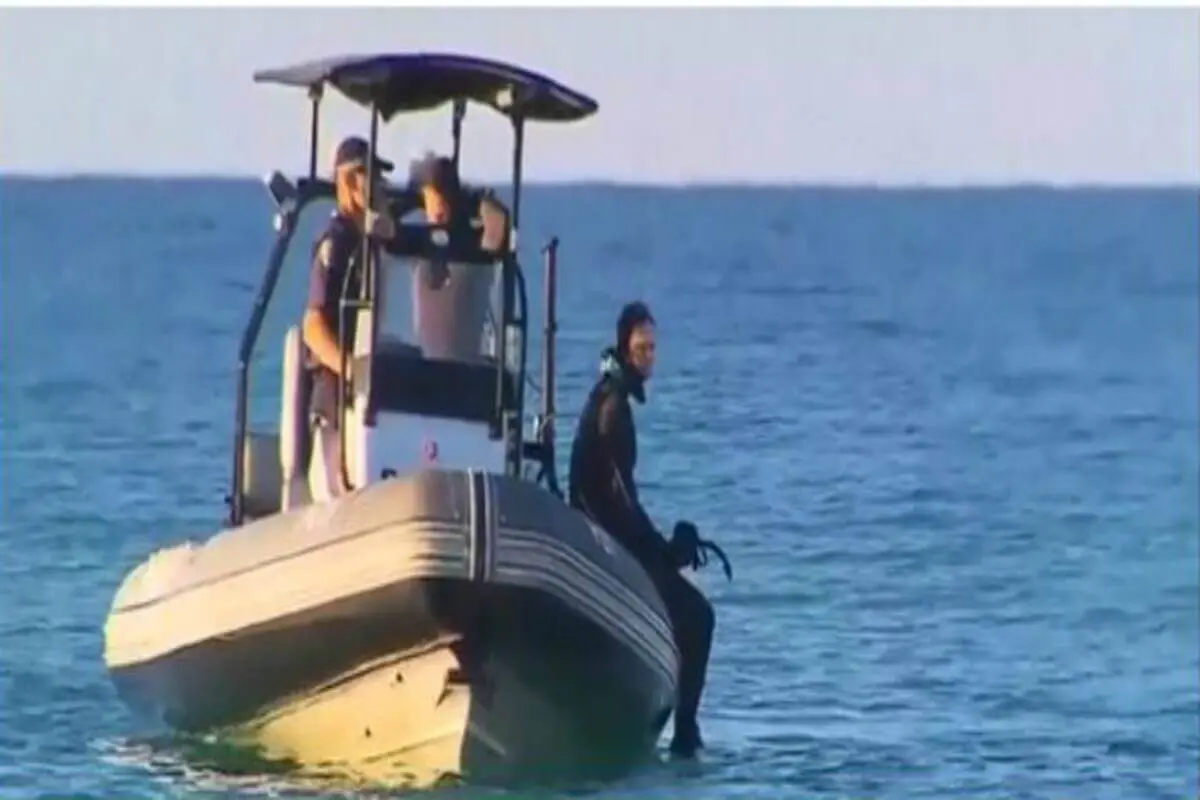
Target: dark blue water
{"x":949,"y":439}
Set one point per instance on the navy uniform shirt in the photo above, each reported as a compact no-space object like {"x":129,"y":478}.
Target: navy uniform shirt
{"x":336,"y":257}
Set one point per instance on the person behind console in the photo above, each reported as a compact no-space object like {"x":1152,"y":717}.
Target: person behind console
{"x":452,"y":294}
{"x":336,"y":271}
{"x":602,"y":486}
{"x":473,"y":213}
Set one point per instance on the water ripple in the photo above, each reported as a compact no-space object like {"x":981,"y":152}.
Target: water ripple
{"x":948,"y":440}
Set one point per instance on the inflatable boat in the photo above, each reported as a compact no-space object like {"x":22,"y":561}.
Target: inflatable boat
{"x":446,"y":613}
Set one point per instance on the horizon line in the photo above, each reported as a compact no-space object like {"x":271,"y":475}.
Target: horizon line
{"x":827,"y":183}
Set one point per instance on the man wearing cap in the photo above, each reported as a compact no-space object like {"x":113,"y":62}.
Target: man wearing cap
{"x":602,"y":486}
{"x":336,"y":256}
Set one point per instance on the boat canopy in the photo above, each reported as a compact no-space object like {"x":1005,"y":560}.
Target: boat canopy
{"x":399,"y":83}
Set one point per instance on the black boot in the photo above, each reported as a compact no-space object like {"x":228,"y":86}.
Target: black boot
{"x":687,"y":738}
{"x":693,"y":622}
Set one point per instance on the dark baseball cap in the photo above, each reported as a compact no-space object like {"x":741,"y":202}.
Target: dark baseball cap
{"x":435,"y":171}
{"x":353,"y":152}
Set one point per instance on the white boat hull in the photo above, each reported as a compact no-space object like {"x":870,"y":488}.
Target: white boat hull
{"x":408,"y":722}
{"x":443,"y":623}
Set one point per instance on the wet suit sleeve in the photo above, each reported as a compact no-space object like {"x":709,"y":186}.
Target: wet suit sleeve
{"x":404,"y":203}
{"x":615,"y":428}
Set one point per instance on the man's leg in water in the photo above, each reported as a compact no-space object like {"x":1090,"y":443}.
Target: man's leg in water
{"x":693,"y":621}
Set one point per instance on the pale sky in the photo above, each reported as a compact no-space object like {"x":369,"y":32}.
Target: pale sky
{"x":785,"y":95}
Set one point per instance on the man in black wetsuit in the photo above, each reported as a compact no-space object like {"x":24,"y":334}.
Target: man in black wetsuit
{"x":602,"y":486}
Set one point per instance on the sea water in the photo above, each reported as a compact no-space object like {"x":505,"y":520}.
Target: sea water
{"x":948,"y":438}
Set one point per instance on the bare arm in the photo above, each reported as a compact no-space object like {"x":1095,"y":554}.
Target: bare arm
{"x":314,"y":329}
{"x":495,"y":219}
{"x":319,"y":339}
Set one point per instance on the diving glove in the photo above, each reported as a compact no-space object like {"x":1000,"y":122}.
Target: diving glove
{"x":689,"y":550}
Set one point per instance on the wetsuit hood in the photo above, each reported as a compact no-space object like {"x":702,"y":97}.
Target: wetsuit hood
{"x":626,"y":378}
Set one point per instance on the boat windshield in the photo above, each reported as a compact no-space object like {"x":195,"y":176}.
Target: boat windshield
{"x":437,"y":346}
{"x":445,"y":311}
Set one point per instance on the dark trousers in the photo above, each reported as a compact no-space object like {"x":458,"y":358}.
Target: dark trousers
{"x":693,"y":622}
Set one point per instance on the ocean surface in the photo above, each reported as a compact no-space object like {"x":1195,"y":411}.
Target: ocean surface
{"x":949,"y":439}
